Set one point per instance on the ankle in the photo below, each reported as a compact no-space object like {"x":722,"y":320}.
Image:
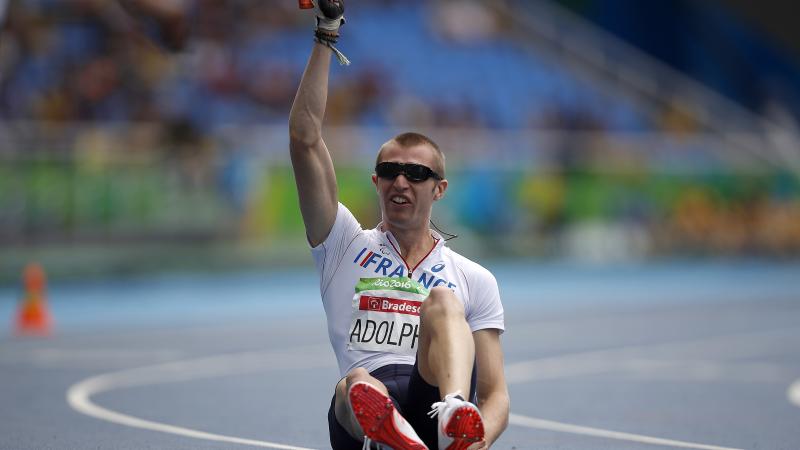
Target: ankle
{"x":455,"y":394}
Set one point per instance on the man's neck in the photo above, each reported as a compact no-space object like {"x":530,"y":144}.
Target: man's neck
{"x":414,"y":244}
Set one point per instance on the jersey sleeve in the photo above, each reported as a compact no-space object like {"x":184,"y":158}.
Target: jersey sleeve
{"x":330,"y":252}
{"x":485,"y":310}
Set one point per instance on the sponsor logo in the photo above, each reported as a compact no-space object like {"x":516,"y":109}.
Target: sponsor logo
{"x":437,"y":267}
{"x":389,"y":305}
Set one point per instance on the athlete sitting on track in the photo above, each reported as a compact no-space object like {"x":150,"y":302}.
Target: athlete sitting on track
{"x":414,"y":325}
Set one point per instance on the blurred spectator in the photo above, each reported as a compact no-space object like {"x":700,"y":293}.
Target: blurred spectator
{"x":677,"y":118}
{"x":465,"y":21}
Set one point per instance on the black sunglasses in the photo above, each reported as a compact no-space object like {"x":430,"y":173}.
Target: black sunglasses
{"x":413,"y":172}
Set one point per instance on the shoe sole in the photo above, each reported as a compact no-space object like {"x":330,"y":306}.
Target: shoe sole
{"x":465,"y":428}
{"x":374,"y":411}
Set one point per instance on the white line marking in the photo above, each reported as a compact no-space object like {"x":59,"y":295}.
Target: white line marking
{"x":612,"y":360}
{"x":703,"y":371}
{"x":57,"y":356}
{"x":623,"y":359}
{"x":103,"y":353}
{"x":794,"y":392}
{"x":98,"y":358}
{"x":78,"y":398}
{"x":531,"y":422}
{"x":79,"y":395}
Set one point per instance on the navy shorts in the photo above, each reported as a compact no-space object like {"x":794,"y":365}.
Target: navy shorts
{"x":412,"y":396}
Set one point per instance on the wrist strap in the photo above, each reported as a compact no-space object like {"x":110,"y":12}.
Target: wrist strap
{"x":327,"y":33}
{"x":328,"y":40}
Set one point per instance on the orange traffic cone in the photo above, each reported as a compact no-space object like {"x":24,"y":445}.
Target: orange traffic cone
{"x":33,"y":316}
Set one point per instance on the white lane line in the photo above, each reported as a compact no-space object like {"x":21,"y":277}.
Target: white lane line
{"x":79,"y":395}
{"x":531,"y":422}
{"x":81,"y":358}
{"x":620,"y":360}
{"x":794,"y":392}
{"x":703,"y":371}
{"x":98,"y":358}
{"x":612,"y":360}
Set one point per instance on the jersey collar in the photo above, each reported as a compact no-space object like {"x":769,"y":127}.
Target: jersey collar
{"x":391,"y":242}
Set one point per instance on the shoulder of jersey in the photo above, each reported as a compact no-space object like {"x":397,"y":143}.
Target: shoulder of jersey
{"x":468,"y":266}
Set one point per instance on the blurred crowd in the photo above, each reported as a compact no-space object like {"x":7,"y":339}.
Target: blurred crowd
{"x":211,"y":62}
{"x":100,"y":60}
{"x":167,"y":77}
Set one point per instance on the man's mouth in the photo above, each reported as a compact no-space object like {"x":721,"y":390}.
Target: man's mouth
{"x":399,"y":200}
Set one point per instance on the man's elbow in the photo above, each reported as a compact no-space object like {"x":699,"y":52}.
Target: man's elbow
{"x":303,"y":138}
{"x":505,"y":400}
{"x":496,"y":407}
{"x":501,"y":403}
{"x":304,"y":129}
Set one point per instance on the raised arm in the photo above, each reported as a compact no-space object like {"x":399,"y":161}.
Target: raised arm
{"x":312,"y":164}
{"x":493,"y":399}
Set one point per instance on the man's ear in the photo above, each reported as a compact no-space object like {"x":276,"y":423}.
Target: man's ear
{"x":439,"y":189}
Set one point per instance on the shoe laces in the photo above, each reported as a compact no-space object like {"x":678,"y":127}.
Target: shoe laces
{"x":368,"y":442}
{"x":438,"y":407}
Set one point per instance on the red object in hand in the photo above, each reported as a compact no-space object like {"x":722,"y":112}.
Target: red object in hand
{"x":306,"y":4}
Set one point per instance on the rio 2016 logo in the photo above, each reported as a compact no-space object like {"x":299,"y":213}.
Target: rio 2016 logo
{"x":394,"y":284}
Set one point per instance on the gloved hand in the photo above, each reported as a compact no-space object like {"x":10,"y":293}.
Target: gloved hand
{"x":330,"y":15}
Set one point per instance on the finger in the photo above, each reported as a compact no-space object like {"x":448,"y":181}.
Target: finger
{"x":480,"y":445}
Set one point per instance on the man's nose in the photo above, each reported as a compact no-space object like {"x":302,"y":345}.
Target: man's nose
{"x":401,"y":181}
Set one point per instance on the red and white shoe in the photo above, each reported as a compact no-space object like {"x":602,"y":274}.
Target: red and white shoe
{"x":380,"y":420}
{"x":460,"y":422}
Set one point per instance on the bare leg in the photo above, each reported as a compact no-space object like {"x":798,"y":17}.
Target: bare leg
{"x":344,"y":415}
{"x":447,"y":351}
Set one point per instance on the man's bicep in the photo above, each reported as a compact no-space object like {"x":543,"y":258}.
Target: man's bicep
{"x":316,"y":188}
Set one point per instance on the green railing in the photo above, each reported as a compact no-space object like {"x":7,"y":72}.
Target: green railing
{"x":521,"y":198}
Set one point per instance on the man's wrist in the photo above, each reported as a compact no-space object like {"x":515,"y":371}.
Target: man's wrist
{"x":326,"y":35}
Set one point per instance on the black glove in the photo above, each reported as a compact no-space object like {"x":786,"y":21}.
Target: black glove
{"x":330,"y":16}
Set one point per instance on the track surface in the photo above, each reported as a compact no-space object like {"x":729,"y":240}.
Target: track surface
{"x":704,"y":357}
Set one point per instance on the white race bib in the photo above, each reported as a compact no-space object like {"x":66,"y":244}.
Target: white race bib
{"x":386,"y":315}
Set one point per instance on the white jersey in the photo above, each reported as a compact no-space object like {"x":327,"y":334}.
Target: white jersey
{"x":372,"y":302}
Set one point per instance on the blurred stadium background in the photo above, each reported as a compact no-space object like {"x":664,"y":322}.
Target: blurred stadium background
{"x":627,"y":169}
{"x":153,"y":136}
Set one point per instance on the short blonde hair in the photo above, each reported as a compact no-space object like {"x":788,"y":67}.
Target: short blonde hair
{"x":410,"y":139}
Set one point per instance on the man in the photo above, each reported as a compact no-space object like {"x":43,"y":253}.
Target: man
{"x":422,"y":330}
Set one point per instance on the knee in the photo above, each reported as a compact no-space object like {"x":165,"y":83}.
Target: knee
{"x":356,"y":375}
{"x":442,"y":302}
{"x":352,"y":377}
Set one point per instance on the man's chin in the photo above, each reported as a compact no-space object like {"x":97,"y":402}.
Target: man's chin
{"x":400,"y":219}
